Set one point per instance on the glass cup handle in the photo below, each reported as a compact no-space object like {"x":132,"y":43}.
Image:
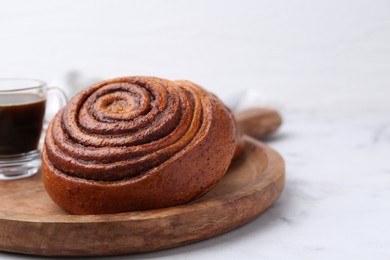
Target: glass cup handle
{"x":62,"y":98}
{"x":61,"y":101}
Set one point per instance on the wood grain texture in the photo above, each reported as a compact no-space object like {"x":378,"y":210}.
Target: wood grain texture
{"x":31,"y":223}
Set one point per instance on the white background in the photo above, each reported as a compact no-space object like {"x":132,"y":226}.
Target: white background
{"x":324,"y":64}
{"x":297,"y":54}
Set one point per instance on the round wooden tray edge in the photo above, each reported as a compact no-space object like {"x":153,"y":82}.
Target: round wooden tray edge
{"x":231,"y":203}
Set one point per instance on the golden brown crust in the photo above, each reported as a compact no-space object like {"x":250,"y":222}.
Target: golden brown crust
{"x":136,"y":143}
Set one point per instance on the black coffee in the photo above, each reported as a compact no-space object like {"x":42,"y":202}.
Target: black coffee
{"x":21,"y":119}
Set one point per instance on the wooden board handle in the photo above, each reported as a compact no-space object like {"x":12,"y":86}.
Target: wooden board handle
{"x":258,"y":122}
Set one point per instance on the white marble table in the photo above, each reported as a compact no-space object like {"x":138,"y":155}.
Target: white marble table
{"x":336,"y":202}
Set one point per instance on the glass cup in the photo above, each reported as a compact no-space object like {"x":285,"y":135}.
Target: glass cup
{"x":22,"y":118}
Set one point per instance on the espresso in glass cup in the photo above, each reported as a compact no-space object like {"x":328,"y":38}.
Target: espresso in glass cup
{"x":22,"y":117}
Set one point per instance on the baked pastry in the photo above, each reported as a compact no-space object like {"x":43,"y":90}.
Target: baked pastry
{"x":136,"y":143}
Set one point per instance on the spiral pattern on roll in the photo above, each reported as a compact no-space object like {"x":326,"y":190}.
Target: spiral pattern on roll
{"x":122,"y":128}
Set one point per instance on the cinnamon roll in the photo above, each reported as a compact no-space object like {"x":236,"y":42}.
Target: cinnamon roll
{"x":136,"y":143}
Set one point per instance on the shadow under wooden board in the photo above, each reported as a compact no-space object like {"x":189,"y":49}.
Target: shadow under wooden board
{"x":30,"y":223}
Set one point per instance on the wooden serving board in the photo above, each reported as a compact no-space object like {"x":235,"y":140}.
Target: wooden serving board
{"x":30,"y":223}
